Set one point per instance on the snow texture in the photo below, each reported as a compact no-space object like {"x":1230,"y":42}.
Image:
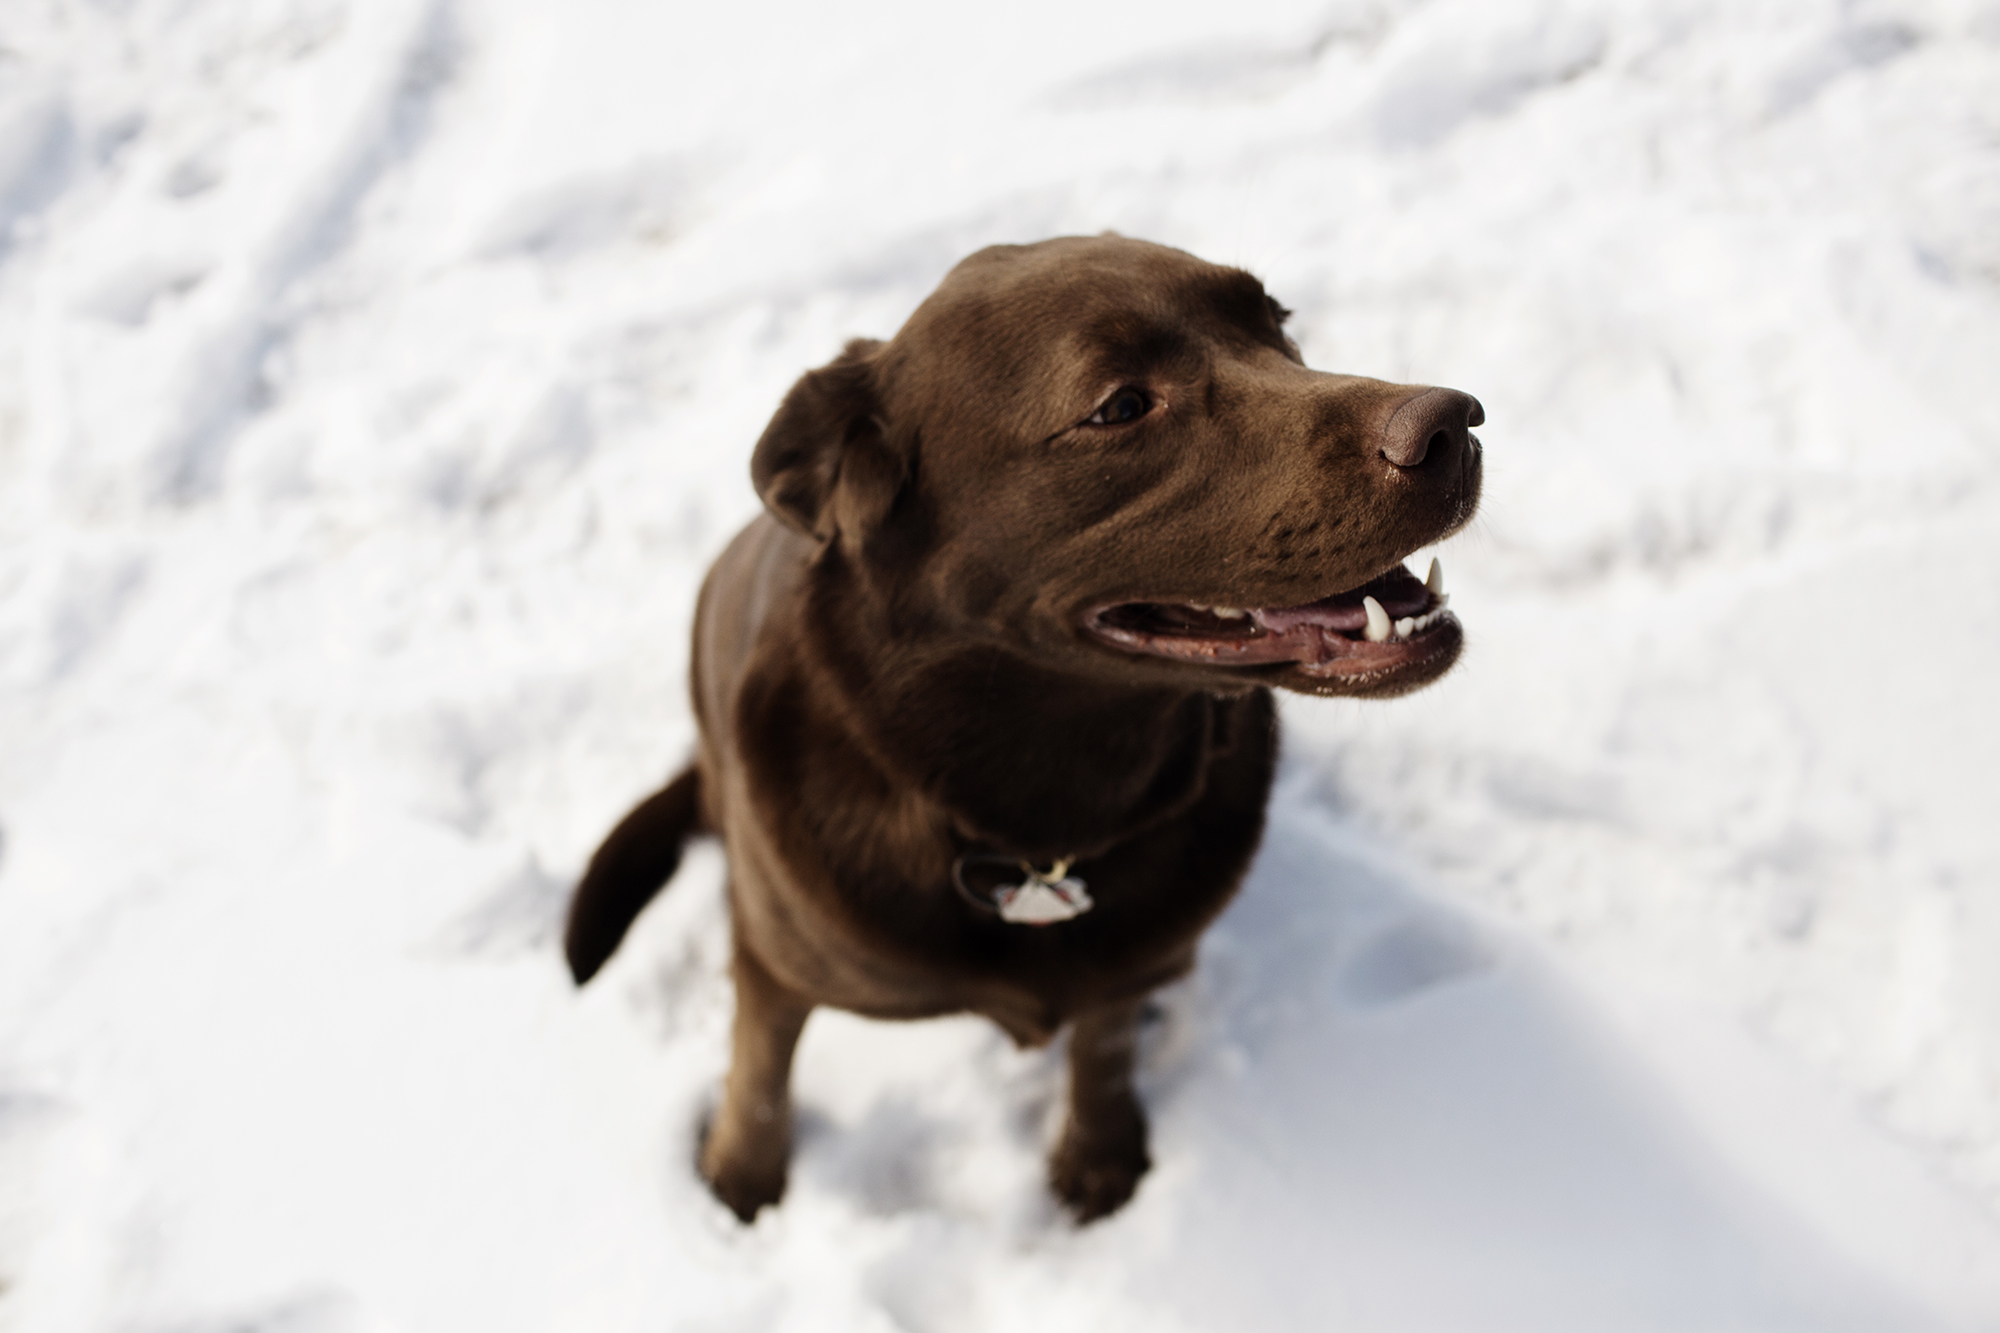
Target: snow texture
{"x":378,"y":376}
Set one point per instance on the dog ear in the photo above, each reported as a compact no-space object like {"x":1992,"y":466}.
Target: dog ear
{"x":823,"y":464}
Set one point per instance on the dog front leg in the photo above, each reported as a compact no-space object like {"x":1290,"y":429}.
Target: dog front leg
{"x":1102,"y":1154}
{"x":749,"y":1143}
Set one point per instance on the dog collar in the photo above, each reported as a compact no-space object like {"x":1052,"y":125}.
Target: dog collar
{"x":1041,"y":898}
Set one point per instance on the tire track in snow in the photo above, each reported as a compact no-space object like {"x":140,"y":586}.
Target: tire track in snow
{"x":231,"y":377}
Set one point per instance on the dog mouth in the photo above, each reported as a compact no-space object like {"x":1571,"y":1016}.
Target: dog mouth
{"x":1393,"y":620}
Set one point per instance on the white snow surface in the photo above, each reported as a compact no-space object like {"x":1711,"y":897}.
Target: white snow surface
{"x":378,"y":376}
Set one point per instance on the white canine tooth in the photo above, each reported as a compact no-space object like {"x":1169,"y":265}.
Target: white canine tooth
{"x":1435,"y":579}
{"x":1405,"y":627}
{"x":1230,"y":612}
{"x":1378,"y":621}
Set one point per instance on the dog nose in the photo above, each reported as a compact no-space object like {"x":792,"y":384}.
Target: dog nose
{"x":1434,"y":420}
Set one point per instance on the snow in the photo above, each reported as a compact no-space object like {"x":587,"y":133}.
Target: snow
{"x":376,"y":379}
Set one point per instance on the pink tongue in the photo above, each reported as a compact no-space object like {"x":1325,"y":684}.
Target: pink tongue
{"x":1398,"y":591}
{"x":1329,"y":614}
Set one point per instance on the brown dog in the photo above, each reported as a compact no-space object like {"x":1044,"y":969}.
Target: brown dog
{"x":1029,"y":571}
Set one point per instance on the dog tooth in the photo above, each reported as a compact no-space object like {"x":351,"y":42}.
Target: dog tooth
{"x":1378,"y":621}
{"x":1435,"y":579}
{"x":1406,"y":627}
{"x":1230,"y":612}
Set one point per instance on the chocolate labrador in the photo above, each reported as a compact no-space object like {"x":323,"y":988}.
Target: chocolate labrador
{"x":984,"y":698}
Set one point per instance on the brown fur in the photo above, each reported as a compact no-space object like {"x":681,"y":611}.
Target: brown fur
{"x":889,"y":670}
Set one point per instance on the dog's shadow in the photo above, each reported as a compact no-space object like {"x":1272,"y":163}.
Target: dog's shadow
{"x":1367,"y":1105}
{"x":1375,"y":1101}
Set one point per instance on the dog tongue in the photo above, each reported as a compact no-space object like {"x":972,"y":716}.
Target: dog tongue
{"x":1400,"y":592}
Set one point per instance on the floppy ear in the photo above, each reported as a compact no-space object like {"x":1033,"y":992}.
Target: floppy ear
{"x":822,"y":465}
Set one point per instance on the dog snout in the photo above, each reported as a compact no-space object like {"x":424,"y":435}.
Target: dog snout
{"x":1434,"y":424}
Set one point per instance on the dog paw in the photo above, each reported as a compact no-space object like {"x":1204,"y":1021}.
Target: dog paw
{"x":1095,"y":1178}
{"x":745,"y":1181}
{"x":744,"y":1193}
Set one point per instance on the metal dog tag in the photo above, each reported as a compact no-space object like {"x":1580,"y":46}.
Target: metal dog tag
{"x":1043,"y":899}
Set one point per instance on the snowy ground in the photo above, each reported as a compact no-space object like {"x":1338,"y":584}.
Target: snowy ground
{"x":377,"y":378}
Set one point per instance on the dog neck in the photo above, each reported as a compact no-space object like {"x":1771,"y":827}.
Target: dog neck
{"x":1026,"y":758}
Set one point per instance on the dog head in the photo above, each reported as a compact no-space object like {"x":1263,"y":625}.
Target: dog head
{"x":1107,"y":454}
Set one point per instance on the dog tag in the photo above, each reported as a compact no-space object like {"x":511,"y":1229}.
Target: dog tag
{"x":1042,"y":902}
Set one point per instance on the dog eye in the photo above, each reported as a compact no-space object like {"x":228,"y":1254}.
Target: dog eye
{"x":1128,"y":404}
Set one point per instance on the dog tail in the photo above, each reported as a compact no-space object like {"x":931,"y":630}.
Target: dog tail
{"x":634,"y":863}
